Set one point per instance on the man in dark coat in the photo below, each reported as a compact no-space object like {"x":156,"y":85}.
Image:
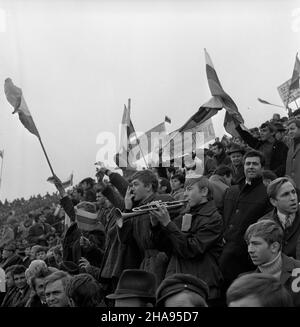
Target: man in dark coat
{"x":275,"y":152}
{"x":138,"y":230}
{"x":39,"y":231}
{"x":265,"y":240}
{"x":193,"y":241}
{"x":286,"y":213}
{"x":243,"y":206}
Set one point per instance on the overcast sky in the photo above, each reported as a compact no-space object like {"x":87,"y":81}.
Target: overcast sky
{"x":78,"y":62}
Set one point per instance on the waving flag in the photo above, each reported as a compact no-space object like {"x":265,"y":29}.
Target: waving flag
{"x":226,"y":102}
{"x":15,"y":98}
{"x":65,"y":184}
{"x":296,"y":74}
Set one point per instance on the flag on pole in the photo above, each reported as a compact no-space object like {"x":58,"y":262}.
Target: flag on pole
{"x":296,"y":74}
{"x":269,"y":103}
{"x":206,"y":111}
{"x":1,"y":154}
{"x":167,"y":119}
{"x":15,"y":98}
{"x":65,"y":184}
{"x":232,"y":113}
{"x":127,"y":135}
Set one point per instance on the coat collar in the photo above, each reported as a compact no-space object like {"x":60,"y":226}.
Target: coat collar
{"x":205,"y":209}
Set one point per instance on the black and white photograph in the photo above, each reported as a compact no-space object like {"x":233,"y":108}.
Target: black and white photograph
{"x":149,"y":157}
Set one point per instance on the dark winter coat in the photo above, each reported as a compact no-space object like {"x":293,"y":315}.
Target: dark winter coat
{"x":197,"y":250}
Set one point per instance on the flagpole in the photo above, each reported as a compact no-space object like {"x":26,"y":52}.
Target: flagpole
{"x":46,"y":156}
{"x":1,"y":168}
{"x":129,"y":104}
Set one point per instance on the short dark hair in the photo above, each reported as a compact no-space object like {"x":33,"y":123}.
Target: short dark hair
{"x":269,"y":126}
{"x":254,"y":153}
{"x":147,"y":177}
{"x":165,"y":182}
{"x":85,"y":291}
{"x":89,"y":180}
{"x":274,"y":187}
{"x":267,"y":229}
{"x":220,"y":145}
{"x":180,"y":177}
{"x":266,"y":288}
{"x":223,"y":170}
{"x":19,"y":269}
{"x":269,"y":174}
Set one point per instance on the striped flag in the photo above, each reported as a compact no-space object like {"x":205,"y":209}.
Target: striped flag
{"x":15,"y":98}
{"x":232,"y":113}
{"x":296,"y":74}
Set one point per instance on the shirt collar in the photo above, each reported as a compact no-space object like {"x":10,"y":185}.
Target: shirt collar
{"x":282,"y":217}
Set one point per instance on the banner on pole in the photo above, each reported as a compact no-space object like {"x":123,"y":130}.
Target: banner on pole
{"x":287,"y":96}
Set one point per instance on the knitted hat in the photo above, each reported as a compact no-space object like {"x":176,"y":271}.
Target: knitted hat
{"x":178,"y":283}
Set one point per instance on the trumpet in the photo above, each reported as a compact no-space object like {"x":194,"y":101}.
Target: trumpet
{"x":121,"y":216}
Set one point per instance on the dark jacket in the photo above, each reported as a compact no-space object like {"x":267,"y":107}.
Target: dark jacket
{"x":238,"y":176}
{"x":197,"y":250}
{"x":138,"y":231}
{"x":293,"y":162}
{"x":279,"y":151}
{"x":291,"y":234}
{"x":16,"y":297}
{"x":37,"y":230}
{"x":242,"y":207}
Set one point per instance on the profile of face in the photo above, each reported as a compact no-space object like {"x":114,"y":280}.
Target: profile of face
{"x":140,"y":190}
{"x":195,"y":195}
{"x":55,"y":295}
{"x":132,"y":302}
{"x":286,"y":200}
{"x":39,"y":288}
{"x":216,"y":150}
{"x":27,"y":251}
{"x":20,"y":280}
{"x":252,"y":167}
{"x":265,"y":133}
{"x":175,"y":184}
{"x":236,"y":158}
{"x":260,"y":251}
{"x":247,"y":301}
{"x":293,"y":131}
{"x":9,"y":280}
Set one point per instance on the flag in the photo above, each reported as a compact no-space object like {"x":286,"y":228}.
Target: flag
{"x":65,"y":184}
{"x":15,"y":98}
{"x":263,"y":101}
{"x":205,"y":112}
{"x":167,"y":119}
{"x":1,"y":154}
{"x":149,"y":142}
{"x":127,"y":136}
{"x":296,"y":73}
{"x":232,"y":114}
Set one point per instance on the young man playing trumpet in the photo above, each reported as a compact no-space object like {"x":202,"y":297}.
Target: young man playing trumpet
{"x":135,"y":232}
{"x":192,"y":241}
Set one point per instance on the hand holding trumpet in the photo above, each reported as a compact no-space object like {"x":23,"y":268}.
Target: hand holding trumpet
{"x":160,"y":215}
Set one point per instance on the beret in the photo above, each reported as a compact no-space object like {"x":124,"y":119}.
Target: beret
{"x":178,"y":283}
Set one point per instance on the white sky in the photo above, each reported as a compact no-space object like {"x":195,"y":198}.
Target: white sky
{"x":78,"y":62}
